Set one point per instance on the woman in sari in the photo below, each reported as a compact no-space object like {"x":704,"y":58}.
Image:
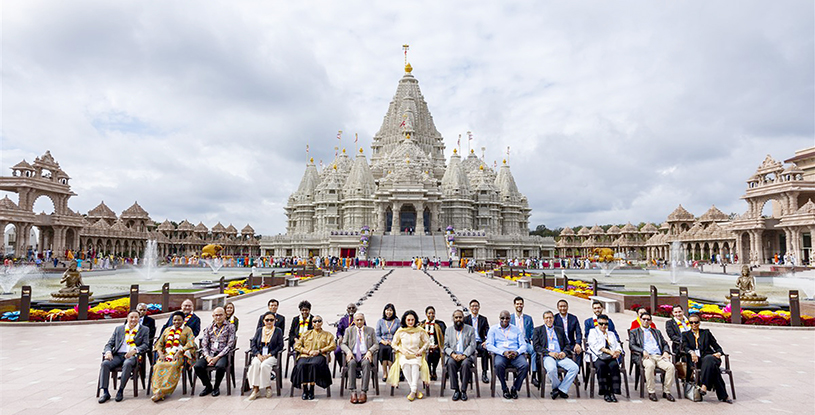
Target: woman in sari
{"x":171,"y":347}
{"x":410,"y":344}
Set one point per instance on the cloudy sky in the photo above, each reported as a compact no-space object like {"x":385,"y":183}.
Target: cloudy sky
{"x":614,"y":111}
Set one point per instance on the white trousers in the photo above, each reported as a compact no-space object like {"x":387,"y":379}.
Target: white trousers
{"x":412,"y":376}
{"x":260,"y":373}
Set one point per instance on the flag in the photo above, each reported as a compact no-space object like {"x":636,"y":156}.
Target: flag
{"x":339,"y":135}
{"x":495,"y":164}
{"x":469,"y":136}
{"x":458,"y":143}
{"x":321,"y":164}
{"x":356,"y":138}
{"x":306,"y":148}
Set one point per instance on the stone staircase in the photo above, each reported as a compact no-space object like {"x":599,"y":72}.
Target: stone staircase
{"x":405,"y":247}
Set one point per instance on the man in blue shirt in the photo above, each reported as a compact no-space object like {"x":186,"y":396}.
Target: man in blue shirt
{"x":508,"y":345}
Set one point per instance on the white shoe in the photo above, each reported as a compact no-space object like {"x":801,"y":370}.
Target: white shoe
{"x":268,"y":393}
{"x":254,"y":395}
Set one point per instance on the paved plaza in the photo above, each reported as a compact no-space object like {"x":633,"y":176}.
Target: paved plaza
{"x":53,"y":369}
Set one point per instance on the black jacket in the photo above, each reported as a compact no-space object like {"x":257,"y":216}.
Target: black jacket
{"x":194,"y":323}
{"x":483,"y":326}
{"x":575,"y":334}
{"x":280,"y":321}
{"x":540,"y":341}
{"x":275,"y":343}
{"x":150,"y":323}
{"x":707,"y":343}
{"x":675,"y":334}
{"x":636,"y":342}
{"x":294,"y":330}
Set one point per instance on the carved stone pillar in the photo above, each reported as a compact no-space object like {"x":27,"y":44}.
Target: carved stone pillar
{"x":396,"y":223}
{"x":420,"y":218}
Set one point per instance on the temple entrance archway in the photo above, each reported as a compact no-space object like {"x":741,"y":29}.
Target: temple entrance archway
{"x":407,"y":218}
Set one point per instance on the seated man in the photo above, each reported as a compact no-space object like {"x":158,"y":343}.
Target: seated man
{"x":459,"y":346}
{"x":217,"y":341}
{"x":507,"y":343}
{"x":636,"y":323}
{"x":527,"y":326}
{"x":300,"y":324}
{"x":360,"y":346}
{"x":675,"y":326}
{"x":190,"y":319}
{"x":481,"y":327}
{"x":122,"y":350}
{"x":649,"y":348}
{"x":550,"y":342}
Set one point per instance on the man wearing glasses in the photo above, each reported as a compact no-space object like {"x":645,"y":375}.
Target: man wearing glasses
{"x":507,"y":343}
{"x":650,"y":348}
{"x":343,"y":324}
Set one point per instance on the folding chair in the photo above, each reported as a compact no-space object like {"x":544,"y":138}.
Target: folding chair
{"x":474,"y":379}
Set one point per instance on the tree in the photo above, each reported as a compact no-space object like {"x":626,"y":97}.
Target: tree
{"x":542,"y":230}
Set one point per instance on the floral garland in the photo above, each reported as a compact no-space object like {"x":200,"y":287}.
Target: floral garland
{"x":173,"y":344}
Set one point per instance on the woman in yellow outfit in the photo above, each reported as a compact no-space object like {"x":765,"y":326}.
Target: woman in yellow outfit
{"x":410,"y":343}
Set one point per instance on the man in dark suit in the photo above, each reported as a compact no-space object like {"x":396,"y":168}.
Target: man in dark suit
{"x":482,"y":327}
{"x":190,"y":319}
{"x":675,"y":326}
{"x":591,"y":322}
{"x":301,"y":323}
{"x":122,"y":350}
{"x":280,"y":320}
{"x":650,"y":349}
{"x":146,"y":320}
{"x":551,"y":343}
{"x":570,"y":325}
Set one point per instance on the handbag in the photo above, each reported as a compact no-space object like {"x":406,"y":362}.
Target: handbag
{"x":681,"y":369}
{"x":693,"y":392}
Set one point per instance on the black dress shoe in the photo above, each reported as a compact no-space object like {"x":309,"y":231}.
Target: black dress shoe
{"x":562,"y":394}
{"x":607,"y":398}
{"x":433,"y":377}
{"x":669,"y":397}
{"x":535,"y":382}
{"x":120,"y":395}
{"x":304,"y":396}
{"x":463,"y":396}
{"x":613,"y":397}
{"x":653,"y":397}
{"x":514,"y":393}
{"x":456,"y":395}
{"x":554,"y":394}
{"x":726,"y":400}
{"x":311,"y":392}
{"x":507,"y":394}
{"x":104,"y":398}
{"x":484,"y":378}
{"x":207,"y":390}
{"x":216,"y":392}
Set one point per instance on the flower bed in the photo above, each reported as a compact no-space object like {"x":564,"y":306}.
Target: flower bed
{"x":716,"y":314}
{"x":241,"y":287}
{"x":109,"y":309}
{"x":576,"y":288}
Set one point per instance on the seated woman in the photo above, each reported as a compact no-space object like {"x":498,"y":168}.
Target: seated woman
{"x":313,"y":351}
{"x":229,"y":308}
{"x":706,"y":354}
{"x":268,"y":341}
{"x":410,"y":343}
{"x":175,"y":344}
{"x":604,"y":349}
{"x":385,"y":329}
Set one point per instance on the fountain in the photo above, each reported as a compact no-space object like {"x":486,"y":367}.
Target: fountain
{"x":12,"y":275}
{"x":214,"y":264}
{"x":606,"y":260}
{"x":677,"y":257}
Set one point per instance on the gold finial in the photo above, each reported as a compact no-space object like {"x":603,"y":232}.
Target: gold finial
{"x":360,"y":150}
{"x":334,"y":167}
{"x":408,"y":136}
{"x":505,"y":161}
{"x":472,"y":151}
{"x":455,"y":151}
{"x":343,"y":151}
{"x":481,"y":167}
{"x":408,"y":68}
{"x":311,"y":160}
